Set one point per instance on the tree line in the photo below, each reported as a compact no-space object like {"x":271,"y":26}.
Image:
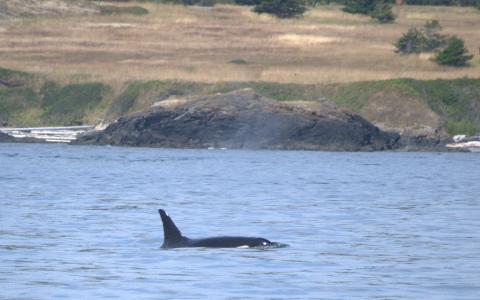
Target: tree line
{"x":381,"y":10}
{"x":409,"y":2}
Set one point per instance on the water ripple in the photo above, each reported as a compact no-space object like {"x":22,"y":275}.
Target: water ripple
{"x":82,"y":222}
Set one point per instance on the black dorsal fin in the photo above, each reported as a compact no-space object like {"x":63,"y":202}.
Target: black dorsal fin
{"x":172,"y":237}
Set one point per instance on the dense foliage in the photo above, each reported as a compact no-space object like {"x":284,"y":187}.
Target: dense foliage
{"x":193,"y":2}
{"x":413,"y":41}
{"x":411,"y":2}
{"x":455,"y":54}
{"x":363,"y":7}
{"x":247,"y":2}
{"x":434,"y":39}
{"x":429,"y":39}
{"x":425,"y":39}
{"x":281,"y":8}
{"x":381,"y":10}
{"x":444,"y":2}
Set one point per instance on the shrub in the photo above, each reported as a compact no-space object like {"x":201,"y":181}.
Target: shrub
{"x":363,"y":7}
{"x":425,"y":39}
{"x":434,"y":40}
{"x":413,"y":41}
{"x":455,"y":54}
{"x":379,"y":10}
{"x":248,"y":2}
{"x":206,"y":3}
{"x":239,"y":61}
{"x":383,"y":12}
{"x":443,"y":2}
{"x":281,"y":8}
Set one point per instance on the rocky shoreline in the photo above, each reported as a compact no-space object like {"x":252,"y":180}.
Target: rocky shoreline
{"x":245,"y":120}
{"x":5,"y":138}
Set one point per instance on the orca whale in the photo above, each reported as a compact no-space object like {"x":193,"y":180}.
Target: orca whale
{"x":173,"y":238}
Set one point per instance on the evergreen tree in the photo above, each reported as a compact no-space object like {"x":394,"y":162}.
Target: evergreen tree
{"x":413,"y":41}
{"x":189,"y":2}
{"x":383,"y":12}
{"x":426,"y":39}
{"x":455,"y":54}
{"x":247,"y":2}
{"x":363,"y":7}
{"x":281,"y":8}
{"x":434,"y":40}
{"x":380,"y":10}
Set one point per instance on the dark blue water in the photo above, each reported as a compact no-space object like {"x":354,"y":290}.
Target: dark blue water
{"x":82,"y":223}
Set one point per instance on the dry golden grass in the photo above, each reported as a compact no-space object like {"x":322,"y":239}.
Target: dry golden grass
{"x":15,"y":8}
{"x":188,"y":43}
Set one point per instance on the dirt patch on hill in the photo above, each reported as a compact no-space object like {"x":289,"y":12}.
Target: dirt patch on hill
{"x":392,"y":110}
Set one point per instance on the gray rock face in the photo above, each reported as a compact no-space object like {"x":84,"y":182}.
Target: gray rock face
{"x":423,"y":143}
{"x":5,"y":138}
{"x":243,"y":119}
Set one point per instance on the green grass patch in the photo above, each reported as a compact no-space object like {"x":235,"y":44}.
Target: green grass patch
{"x":10,"y":78}
{"x":125,"y":101}
{"x":457,"y":99}
{"x":239,"y":61}
{"x":287,"y":92}
{"x":354,"y":96}
{"x":68,"y":105}
{"x":6,"y":74}
{"x":29,"y":117}
{"x":36,"y":102}
{"x":467,"y":127}
{"x":16,"y":101}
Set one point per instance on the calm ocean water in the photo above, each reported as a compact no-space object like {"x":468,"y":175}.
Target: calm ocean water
{"x":81,"y":223}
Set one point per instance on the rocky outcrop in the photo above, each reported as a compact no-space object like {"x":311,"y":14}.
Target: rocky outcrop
{"x":243,"y":119}
{"x":420,"y":138}
{"x":419,"y":141}
{"x":5,"y":138}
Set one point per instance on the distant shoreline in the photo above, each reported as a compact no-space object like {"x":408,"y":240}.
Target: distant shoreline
{"x":424,"y":113}
{"x":73,"y":66}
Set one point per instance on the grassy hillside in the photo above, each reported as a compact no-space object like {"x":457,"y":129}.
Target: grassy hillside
{"x":93,"y":64}
{"x":229,"y":43}
{"x":29,"y":8}
{"x":451,"y":105}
